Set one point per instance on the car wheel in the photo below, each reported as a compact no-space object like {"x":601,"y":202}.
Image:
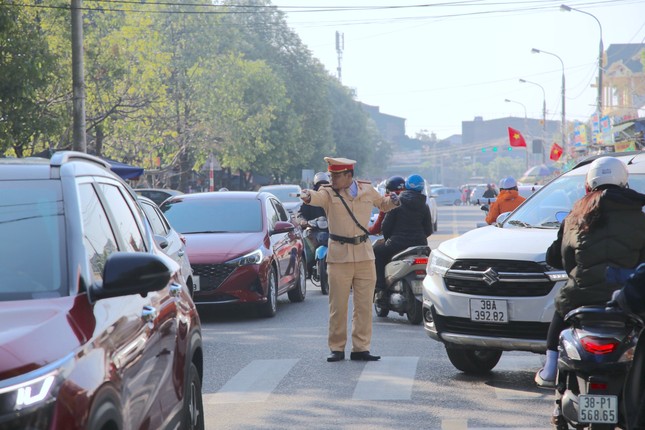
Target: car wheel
{"x":193,"y":413}
{"x":105,"y":413}
{"x":473,"y":361}
{"x":324,"y":278}
{"x":270,"y":307}
{"x":299,"y":292}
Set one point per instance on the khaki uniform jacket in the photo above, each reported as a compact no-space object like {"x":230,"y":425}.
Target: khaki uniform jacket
{"x":341,"y":223}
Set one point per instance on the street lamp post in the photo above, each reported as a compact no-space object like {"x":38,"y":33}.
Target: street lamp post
{"x":525,"y":126}
{"x":524,"y":81}
{"x":566,"y":8}
{"x":564,"y":118}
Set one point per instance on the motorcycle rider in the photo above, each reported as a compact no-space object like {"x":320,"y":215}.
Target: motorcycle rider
{"x":307,"y":213}
{"x":408,"y":225}
{"x":396,"y":185}
{"x":508,"y":199}
{"x":606,"y":227}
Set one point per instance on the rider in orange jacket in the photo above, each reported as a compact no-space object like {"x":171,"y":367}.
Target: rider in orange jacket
{"x":507,"y":200}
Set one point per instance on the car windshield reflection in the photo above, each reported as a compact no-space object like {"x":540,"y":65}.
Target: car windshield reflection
{"x":546,"y":206}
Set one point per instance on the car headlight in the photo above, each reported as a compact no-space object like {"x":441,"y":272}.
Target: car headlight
{"x":439,"y":263}
{"x":254,"y":257}
{"x":26,"y":393}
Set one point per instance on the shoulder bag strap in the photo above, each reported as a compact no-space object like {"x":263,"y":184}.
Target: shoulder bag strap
{"x":351,"y":214}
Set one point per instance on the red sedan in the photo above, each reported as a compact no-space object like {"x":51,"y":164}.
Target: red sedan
{"x":241,"y":246}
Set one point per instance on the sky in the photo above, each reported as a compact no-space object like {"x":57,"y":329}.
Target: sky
{"x":439,"y":63}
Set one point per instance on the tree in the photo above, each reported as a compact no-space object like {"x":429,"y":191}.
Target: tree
{"x":26,"y":66}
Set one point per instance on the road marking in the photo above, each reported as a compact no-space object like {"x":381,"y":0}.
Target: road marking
{"x":254,"y":383}
{"x":454,"y":424}
{"x":391,"y":378}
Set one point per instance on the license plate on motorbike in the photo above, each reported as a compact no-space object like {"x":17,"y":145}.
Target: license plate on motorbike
{"x":598,"y":409}
{"x":487,"y":310}
{"x":417,"y":286}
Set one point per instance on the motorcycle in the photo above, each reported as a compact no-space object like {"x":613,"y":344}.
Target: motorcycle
{"x":404,"y":276}
{"x":595,"y":356}
{"x":317,"y":234}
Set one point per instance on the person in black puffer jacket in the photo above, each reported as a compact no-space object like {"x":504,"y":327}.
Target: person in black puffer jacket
{"x":408,"y":225}
{"x":606,"y":228}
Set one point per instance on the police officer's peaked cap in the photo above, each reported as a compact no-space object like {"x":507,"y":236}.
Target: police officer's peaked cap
{"x":339,"y":164}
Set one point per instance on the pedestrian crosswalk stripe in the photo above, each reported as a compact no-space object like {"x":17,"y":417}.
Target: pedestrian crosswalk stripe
{"x":391,"y":378}
{"x":254,"y":383}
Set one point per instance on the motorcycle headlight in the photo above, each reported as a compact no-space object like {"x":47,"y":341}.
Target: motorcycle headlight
{"x":439,"y":263}
{"x":254,"y":257}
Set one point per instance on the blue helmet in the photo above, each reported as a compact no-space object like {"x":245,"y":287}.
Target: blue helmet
{"x":415,"y":183}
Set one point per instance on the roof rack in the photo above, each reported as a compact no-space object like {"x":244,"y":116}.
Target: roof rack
{"x":62,"y":157}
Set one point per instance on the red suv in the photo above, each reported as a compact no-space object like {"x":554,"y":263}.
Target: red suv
{"x":99,"y":330}
{"x":241,"y":246}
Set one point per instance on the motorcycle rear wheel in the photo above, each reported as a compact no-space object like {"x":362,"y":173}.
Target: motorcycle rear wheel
{"x":321,"y":268}
{"x":415,"y":313}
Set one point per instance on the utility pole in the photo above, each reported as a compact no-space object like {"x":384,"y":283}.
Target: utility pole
{"x":78,"y":79}
{"x":340,"y":47}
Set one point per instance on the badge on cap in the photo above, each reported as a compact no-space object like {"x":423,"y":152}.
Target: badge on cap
{"x":339,"y":164}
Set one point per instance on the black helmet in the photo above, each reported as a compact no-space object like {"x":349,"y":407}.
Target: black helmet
{"x":395,"y":183}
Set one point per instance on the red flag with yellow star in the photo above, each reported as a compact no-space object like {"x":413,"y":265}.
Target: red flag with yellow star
{"x":556,"y":152}
{"x":516,"y":137}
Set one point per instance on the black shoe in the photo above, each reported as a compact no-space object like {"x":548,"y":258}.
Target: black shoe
{"x":336,"y":356}
{"x":364,"y":356}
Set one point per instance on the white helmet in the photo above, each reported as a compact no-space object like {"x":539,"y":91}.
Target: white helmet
{"x":320,"y":177}
{"x":606,"y":170}
{"x":507,"y":183}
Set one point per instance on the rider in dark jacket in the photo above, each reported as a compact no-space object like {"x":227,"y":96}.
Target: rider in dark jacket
{"x":407,"y":225}
{"x":605,"y":228}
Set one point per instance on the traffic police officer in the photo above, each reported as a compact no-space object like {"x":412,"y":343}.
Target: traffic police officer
{"x":350,"y":258}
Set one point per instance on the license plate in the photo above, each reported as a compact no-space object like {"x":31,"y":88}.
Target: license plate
{"x":417,"y":286}
{"x":487,"y":310}
{"x":195,"y":283}
{"x":598,"y":409}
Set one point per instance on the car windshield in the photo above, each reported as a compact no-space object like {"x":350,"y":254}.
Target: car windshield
{"x":214,"y":215}
{"x":32,"y":229}
{"x":283,"y":194}
{"x":557,"y":197}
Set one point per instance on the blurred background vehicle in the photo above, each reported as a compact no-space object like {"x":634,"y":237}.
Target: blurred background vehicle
{"x":446,"y":196}
{"x":287,"y":194}
{"x":242,"y":247}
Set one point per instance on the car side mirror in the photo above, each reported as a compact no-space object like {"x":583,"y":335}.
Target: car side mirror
{"x":128,"y":273}
{"x":282,"y":227}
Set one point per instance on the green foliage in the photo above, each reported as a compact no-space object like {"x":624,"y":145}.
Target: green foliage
{"x":177,"y":87}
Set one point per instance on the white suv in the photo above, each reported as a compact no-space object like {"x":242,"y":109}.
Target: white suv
{"x":490,"y":290}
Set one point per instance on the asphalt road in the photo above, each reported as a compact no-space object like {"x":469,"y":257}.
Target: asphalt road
{"x":272,"y":373}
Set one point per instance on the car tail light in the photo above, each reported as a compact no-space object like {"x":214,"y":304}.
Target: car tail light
{"x":599,"y":345}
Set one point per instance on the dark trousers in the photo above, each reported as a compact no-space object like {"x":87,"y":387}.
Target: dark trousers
{"x":555,"y":328}
{"x":383,"y":253}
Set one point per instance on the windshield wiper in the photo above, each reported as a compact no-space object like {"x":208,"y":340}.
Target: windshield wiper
{"x":520,"y":223}
{"x":550,"y":224}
